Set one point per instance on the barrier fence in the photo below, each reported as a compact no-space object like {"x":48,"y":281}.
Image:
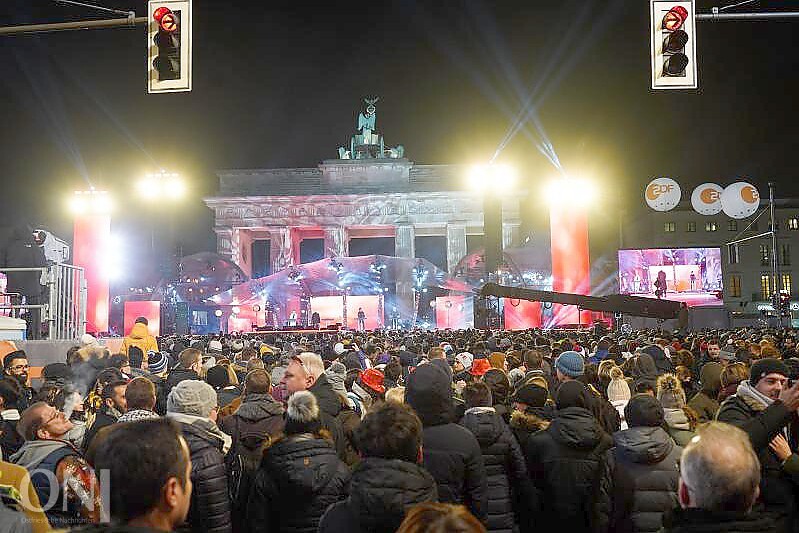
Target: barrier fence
{"x":62,"y":305}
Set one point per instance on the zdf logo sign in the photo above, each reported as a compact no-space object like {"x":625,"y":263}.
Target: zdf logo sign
{"x":706,"y":199}
{"x":662,"y":194}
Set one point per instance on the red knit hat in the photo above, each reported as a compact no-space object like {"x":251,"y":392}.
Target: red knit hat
{"x":373,"y":378}
{"x":480,"y":367}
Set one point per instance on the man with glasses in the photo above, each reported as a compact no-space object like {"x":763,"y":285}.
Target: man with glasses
{"x":15,"y":364}
{"x":64,"y":482}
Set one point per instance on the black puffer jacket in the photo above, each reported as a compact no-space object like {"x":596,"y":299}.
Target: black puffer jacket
{"x":176,"y":376}
{"x":645,"y":478}
{"x":299,"y":478}
{"x":526,"y":423}
{"x":701,"y":521}
{"x":504,"y":464}
{"x":329,"y":408}
{"x":380,"y":492}
{"x":778,"y":493}
{"x":451,"y":453}
{"x":210,"y":506}
{"x":568,"y":466}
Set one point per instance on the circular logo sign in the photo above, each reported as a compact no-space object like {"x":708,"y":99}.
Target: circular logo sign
{"x":662,"y":194}
{"x":740,"y":200}
{"x":706,"y":199}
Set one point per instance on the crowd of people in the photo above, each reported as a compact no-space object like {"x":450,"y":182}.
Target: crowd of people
{"x":409,"y":431}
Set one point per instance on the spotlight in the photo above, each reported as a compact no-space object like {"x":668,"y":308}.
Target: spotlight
{"x":218,"y":313}
{"x":575,"y":192}
{"x":236,"y":310}
{"x":256,"y":308}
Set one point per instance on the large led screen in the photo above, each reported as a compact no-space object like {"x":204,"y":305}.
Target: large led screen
{"x":690,"y":275}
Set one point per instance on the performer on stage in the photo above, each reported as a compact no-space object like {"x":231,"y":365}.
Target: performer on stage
{"x":315,"y":320}
{"x":395,"y":319}
{"x":361,"y":319}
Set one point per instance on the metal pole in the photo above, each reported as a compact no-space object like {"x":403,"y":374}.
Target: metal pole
{"x":719,"y":17}
{"x":129,"y":22}
{"x":775,"y":269}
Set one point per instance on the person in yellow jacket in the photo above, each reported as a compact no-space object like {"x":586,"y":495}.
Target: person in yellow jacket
{"x":139,"y":337}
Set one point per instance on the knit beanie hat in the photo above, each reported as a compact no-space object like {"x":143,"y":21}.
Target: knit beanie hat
{"x":302,"y":414}
{"x":156,"y":362}
{"x":515,"y":376}
{"x":570,"y":364}
{"x":763,"y":367}
{"x":374,"y":379}
{"x":531,"y":395}
{"x":336,"y":374}
{"x":466,"y":359}
{"x":88,"y":340}
{"x":618,"y":389}
{"x":215,"y":346}
{"x":218,"y":377}
{"x":192,"y":397}
{"x":643,"y":410}
{"x":670,"y":392}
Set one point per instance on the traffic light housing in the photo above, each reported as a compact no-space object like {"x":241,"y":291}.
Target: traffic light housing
{"x":673,"y":45}
{"x":784,"y":303}
{"x":169,"y":46}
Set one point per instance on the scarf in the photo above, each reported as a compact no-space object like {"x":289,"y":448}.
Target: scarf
{"x":752,"y":397}
{"x":206,"y":425}
{"x":479,"y":410}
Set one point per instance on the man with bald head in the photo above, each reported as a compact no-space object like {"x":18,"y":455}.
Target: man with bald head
{"x":719,"y":484}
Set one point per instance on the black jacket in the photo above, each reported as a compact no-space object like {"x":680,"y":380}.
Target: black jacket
{"x":778,"y":493}
{"x":210,"y":505}
{"x":701,"y":521}
{"x":505,"y":469}
{"x":568,"y":466}
{"x":10,"y":440}
{"x":645,"y":478}
{"x":176,"y":376}
{"x":451,"y":453}
{"x":529,"y":422}
{"x":329,"y":408}
{"x":380,"y":492}
{"x":299,"y":478}
{"x":101,"y":420}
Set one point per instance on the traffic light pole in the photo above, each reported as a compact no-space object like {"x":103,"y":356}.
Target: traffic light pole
{"x":28,"y":29}
{"x":716,"y":16}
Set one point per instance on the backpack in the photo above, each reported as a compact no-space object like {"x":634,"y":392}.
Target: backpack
{"x":243,"y":461}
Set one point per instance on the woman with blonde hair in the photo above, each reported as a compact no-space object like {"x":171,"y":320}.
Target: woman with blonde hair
{"x":731,"y":376}
{"x":680,"y":419}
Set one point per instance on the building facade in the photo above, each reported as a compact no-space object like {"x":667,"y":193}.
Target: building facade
{"x":371,"y":199}
{"x":747,"y":271}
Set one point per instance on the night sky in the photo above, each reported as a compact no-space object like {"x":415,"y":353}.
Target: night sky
{"x":279,"y":84}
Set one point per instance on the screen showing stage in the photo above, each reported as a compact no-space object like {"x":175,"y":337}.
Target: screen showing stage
{"x":690,"y":275}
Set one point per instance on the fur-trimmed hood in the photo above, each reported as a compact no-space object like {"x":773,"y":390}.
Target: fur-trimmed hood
{"x":528,"y":421}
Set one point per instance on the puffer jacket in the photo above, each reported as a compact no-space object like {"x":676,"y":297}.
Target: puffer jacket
{"x":568,"y":466}
{"x":778,"y":494}
{"x":645,"y":478}
{"x":176,"y":376}
{"x":504,"y":464}
{"x":299,"y":478}
{"x":139,"y":337}
{"x":210,"y":506}
{"x":704,"y":402}
{"x":451,"y":453}
{"x":380,"y":492}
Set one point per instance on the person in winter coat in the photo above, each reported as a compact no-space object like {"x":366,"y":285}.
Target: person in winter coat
{"x":451,"y":453}
{"x":139,"y":337}
{"x":219,"y":379}
{"x":644,"y":370}
{"x":719,"y":477}
{"x":645,"y":474}
{"x":662,"y":362}
{"x":253,"y":426}
{"x":190,"y":362}
{"x":10,"y":439}
{"x":764,"y":407}
{"x":497,"y":381}
{"x":531,"y":412}
{"x":704,"y":402}
{"x":618,"y":393}
{"x":680,"y":419}
{"x":567,"y":464}
{"x":389,"y":479}
{"x":300,"y":476}
{"x":504,"y":462}
{"x":192,"y":404}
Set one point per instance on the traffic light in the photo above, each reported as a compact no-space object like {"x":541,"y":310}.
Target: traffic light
{"x":785,"y":303}
{"x":673,"y":45}
{"x":169,"y":46}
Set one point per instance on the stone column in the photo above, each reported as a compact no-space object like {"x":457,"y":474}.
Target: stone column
{"x":280,"y":249}
{"x":336,"y":241}
{"x":224,"y":240}
{"x":510,"y":233}
{"x":404,"y":246}
{"x":456,"y":244}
